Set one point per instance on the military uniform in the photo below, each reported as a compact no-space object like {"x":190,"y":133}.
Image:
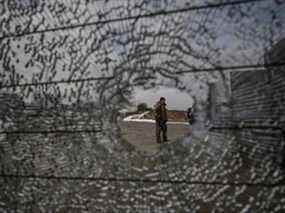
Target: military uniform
{"x":160,"y":120}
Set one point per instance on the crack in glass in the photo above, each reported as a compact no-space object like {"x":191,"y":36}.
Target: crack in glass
{"x":68,"y":68}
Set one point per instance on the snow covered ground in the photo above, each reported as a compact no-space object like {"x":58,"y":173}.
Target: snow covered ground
{"x":139,"y":118}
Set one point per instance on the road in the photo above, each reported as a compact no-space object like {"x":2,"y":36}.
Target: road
{"x":142,"y":134}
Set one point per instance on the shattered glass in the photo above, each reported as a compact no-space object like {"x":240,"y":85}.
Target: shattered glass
{"x":69,"y":67}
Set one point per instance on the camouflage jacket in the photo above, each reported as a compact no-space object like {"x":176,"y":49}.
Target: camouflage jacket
{"x":161,"y":112}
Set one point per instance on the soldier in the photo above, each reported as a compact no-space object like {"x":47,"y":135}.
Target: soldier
{"x":160,"y":120}
{"x":190,"y":117}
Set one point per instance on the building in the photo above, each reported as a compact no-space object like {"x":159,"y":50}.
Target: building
{"x":258,"y":102}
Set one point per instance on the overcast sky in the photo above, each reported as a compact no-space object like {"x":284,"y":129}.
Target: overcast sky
{"x":175,"y":99}
{"x":61,"y":62}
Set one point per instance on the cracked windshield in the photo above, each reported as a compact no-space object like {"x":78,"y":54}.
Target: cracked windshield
{"x":142,"y":106}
